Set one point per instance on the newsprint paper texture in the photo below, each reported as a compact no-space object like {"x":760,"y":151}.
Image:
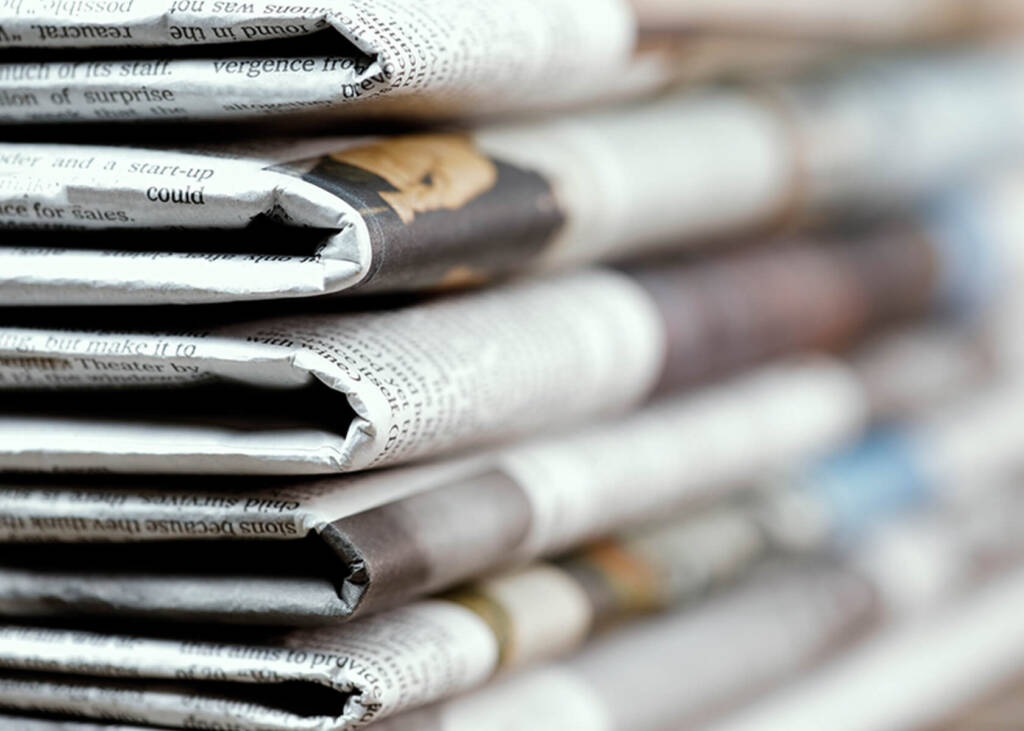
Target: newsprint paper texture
{"x":204,"y":59}
{"x":642,"y":571}
{"x":412,"y":382}
{"x":347,"y":676}
{"x":416,"y":211}
{"x":129,"y":60}
{"x":530,"y":501}
{"x":382,"y":537}
{"x":545,"y":610}
{"x":442,"y":209}
{"x":390,"y":386}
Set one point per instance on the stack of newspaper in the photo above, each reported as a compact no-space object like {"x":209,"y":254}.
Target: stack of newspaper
{"x":543,"y":364}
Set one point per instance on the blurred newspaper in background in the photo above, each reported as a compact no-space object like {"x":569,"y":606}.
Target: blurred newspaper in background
{"x":867,"y":21}
{"x":686,"y":390}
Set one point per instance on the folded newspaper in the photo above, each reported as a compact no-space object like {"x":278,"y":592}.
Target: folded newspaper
{"x":436,"y":209}
{"x":344,"y":677}
{"x":630,"y":681}
{"x":455,"y":372}
{"x":421,"y":211}
{"x":128,"y":60}
{"x":125,"y":60}
{"x":533,"y":500}
{"x":821,"y":607}
{"x":379,"y":538}
{"x":585,"y":692}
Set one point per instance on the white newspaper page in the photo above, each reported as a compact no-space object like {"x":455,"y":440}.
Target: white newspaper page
{"x":407,"y":383}
{"x":443,"y":209}
{"x":445,"y":523}
{"x":891,"y":376}
{"x":416,"y":211}
{"x":336,"y":678}
{"x":740,"y":642}
{"x":207,"y":59}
